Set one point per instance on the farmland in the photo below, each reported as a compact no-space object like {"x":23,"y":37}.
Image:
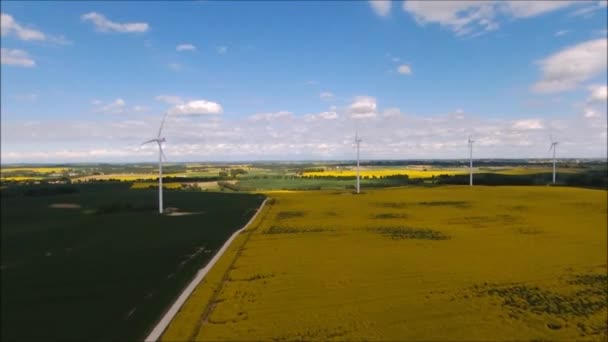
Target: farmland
{"x":97,"y":262}
{"x":313,"y":175}
{"x":441,"y":263}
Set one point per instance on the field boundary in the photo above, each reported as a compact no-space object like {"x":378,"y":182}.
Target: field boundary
{"x":162,"y":325}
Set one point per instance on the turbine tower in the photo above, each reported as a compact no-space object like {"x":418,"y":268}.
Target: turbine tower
{"x":358,"y":142}
{"x":553,"y":147}
{"x":470,"y":161}
{"x":161,"y":155}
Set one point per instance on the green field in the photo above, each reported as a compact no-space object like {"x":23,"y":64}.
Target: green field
{"x":97,"y":262}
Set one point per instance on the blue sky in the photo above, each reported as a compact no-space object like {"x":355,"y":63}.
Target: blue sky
{"x":87,"y":81}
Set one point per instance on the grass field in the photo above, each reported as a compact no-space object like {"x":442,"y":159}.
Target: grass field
{"x":101,"y":263}
{"x":445,"y":263}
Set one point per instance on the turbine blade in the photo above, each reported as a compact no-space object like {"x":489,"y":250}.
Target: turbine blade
{"x":147,"y":142}
{"x":162,"y":153}
{"x":162,"y":123}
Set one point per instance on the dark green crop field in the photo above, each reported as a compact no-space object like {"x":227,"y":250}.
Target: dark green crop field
{"x":97,"y":261}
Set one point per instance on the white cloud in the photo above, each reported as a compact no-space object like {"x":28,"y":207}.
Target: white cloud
{"x":185,"y":47}
{"x":105,"y":25}
{"x":590,"y":113}
{"x":528,"y":8}
{"x":392,"y":112}
{"x":221,"y":50}
{"x":139,"y":108}
{"x":16,"y":57}
{"x":363,"y":107}
{"x":326,"y":95}
{"x":462,"y":17}
{"x":381,"y":7}
{"x":561,"y":33}
{"x":527,"y":124}
{"x":197,"y":107}
{"x":312,"y":82}
{"x":329,"y":115}
{"x":286,"y":136}
{"x":169,"y":99}
{"x":588,"y":11}
{"x":114,"y":107}
{"x":475,"y":17}
{"x":599,"y":93}
{"x":568,"y":68}
{"x":404,"y":69}
{"x":271,"y":116}
{"x":8,"y":26}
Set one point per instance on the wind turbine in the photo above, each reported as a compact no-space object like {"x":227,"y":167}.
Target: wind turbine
{"x":470,"y":161}
{"x":358,"y":142}
{"x":553,"y":147}
{"x":161,"y":155}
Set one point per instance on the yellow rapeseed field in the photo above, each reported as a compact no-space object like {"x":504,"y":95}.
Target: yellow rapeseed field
{"x":145,"y":185}
{"x":36,"y":169}
{"x":445,"y":263}
{"x":428,"y":172}
{"x":119,"y":176}
{"x":412,"y":173}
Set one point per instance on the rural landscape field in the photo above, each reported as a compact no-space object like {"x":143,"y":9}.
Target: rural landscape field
{"x":379,"y":170}
{"x":320,"y":262}
{"x":449,"y":263}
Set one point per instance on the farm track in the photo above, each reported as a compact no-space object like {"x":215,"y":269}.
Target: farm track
{"x":162,"y":325}
{"x":212,"y":302}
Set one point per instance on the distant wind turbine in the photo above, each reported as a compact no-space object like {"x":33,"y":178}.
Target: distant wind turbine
{"x":553,"y":147}
{"x":358,"y":142}
{"x":470,"y":161}
{"x":161,"y":155}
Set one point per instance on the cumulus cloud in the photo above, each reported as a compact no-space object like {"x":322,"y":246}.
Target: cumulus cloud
{"x":197,"y":107}
{"x":527,"y":124}
{"x":588,"y":11}
{"x":527,"y":9}
{"x":326,"y":95}
{"x":462,"y":17}
{"x":103,"y":24}
{"x":329,"y":115}
{"x":271,"y":116}
{"x":185,"y":47}
{"x":598,"y":93}
{"x":113,"y":107}
{"x":9,"y":26}
{"x":474,"y":17}
{"x":381,"y":7}
{"x":404,"y":69}
{"x":569,"y":67}
{"x":16,"y":57}
{"x":363,"y":107}
{"x":288,"y":136}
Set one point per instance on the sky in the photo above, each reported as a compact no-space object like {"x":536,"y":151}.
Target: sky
{"x":245,"y":80}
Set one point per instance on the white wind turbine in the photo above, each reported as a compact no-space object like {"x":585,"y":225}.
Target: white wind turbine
{"x":553,"y":147}
{"x":358,"y":142}
{"x":470,"y":161}
{"x":161,"y":155}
